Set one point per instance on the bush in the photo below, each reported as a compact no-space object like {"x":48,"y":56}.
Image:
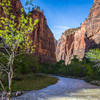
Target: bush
{"x":84,"y":68}
{"x":58,"y":68}
{"x":46,"y":68}
{"x":3,"y":58}
{"x":76,"y":68}
{"x":26,"y":63}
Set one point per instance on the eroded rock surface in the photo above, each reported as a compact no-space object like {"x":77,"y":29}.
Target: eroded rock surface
{"x":79,"y":40}
{"x":43,"y":38}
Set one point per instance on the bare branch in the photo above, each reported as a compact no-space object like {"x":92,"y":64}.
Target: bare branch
{"x":2,"y":85}
{"x":4,"y":68}
{"x":6,"y":48}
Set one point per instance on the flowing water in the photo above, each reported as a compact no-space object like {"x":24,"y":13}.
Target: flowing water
{"x":64,"y":89}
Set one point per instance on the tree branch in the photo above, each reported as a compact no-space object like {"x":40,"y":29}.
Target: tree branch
{"x":2,"y":85}
{"x":5,"y":48}
{"x":3,"y":68}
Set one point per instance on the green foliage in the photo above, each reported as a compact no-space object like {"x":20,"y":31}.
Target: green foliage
{"x":33,"y":81}
{"x":15,"y":33}
{"x":46,"y":68}
{"x":58,"y":68}
{"x":26,"y":63}
{"x":94,"y":56}
{"x":4,"y":58}
{"x":76,"y":68}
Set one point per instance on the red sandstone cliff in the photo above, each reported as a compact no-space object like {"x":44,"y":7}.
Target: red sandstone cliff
{"x":43,"y":39}
{"x":78,"y":41}
{"x":42,"y":36}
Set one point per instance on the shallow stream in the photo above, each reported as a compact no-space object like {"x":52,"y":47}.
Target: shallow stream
{"x":64,"y":89}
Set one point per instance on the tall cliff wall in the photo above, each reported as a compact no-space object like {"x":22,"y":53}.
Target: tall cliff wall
{"x":71,"y":43}
{"x":42,"y":36}
{"x":43,"y":39}
{"x":79,"y":40}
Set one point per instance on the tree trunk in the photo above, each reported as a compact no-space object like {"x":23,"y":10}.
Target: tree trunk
{"x":10,"y":75}
{"x":9,"y":96}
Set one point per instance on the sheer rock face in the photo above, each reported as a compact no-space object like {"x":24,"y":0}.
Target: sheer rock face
{"x":78,"y":41}
{"x":96,"y":1}
{"x":70,"y":44}
{"x":43,"y":39}
{"x":92,"y":26}
{"x":42,"y":36}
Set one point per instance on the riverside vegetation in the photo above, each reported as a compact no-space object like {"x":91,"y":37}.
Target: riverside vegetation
{"x":26,"y":71}
{"x":87,"y":69}
{"x":15,"y":39}
{"x":26,"y":68}
{"x":19,"y":69}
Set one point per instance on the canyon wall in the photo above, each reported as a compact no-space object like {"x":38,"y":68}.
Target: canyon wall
{"x":78,"y":41}
{"x":71,"y":43}
{"x":42,"y":36}
{"x":43,"y":39}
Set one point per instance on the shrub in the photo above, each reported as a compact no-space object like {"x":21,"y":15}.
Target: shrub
{"x":76,"y":68}
{"x":94,"y":56}
{"x":26,"y":63}
{"x":58,"y":68}
{"x":46,"y":68}
{"x":3,"y":58}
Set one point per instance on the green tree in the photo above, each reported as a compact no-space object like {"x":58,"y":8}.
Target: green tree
{"x":94,"y":56}
{"x":14,"y":35}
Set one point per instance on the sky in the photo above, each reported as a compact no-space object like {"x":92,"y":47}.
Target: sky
{"x":63,"y":14}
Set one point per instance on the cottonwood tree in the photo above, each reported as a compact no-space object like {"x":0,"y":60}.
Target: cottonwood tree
{"x":94,"y":56}
{"x":14,"y":35}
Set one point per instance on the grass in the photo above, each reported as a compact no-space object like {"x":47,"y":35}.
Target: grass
{"x":33,"y":82}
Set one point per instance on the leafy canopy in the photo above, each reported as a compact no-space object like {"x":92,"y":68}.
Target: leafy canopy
{"x":94,"y":56}
{"x":15,"y":31}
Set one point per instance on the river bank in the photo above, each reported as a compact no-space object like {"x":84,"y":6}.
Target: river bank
{"x":64,"y":89}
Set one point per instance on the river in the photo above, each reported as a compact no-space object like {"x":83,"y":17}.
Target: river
{"x":64,"y":89}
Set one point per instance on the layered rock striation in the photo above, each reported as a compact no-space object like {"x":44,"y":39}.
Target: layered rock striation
{"x":78,"y":41}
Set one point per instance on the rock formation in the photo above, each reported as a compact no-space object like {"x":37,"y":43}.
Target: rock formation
{"x":71,"y":43}
{"x":43,"y":39}
{"x":78,"y":41}
{"x":91,"y":26}
{"x":42,"y":36}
